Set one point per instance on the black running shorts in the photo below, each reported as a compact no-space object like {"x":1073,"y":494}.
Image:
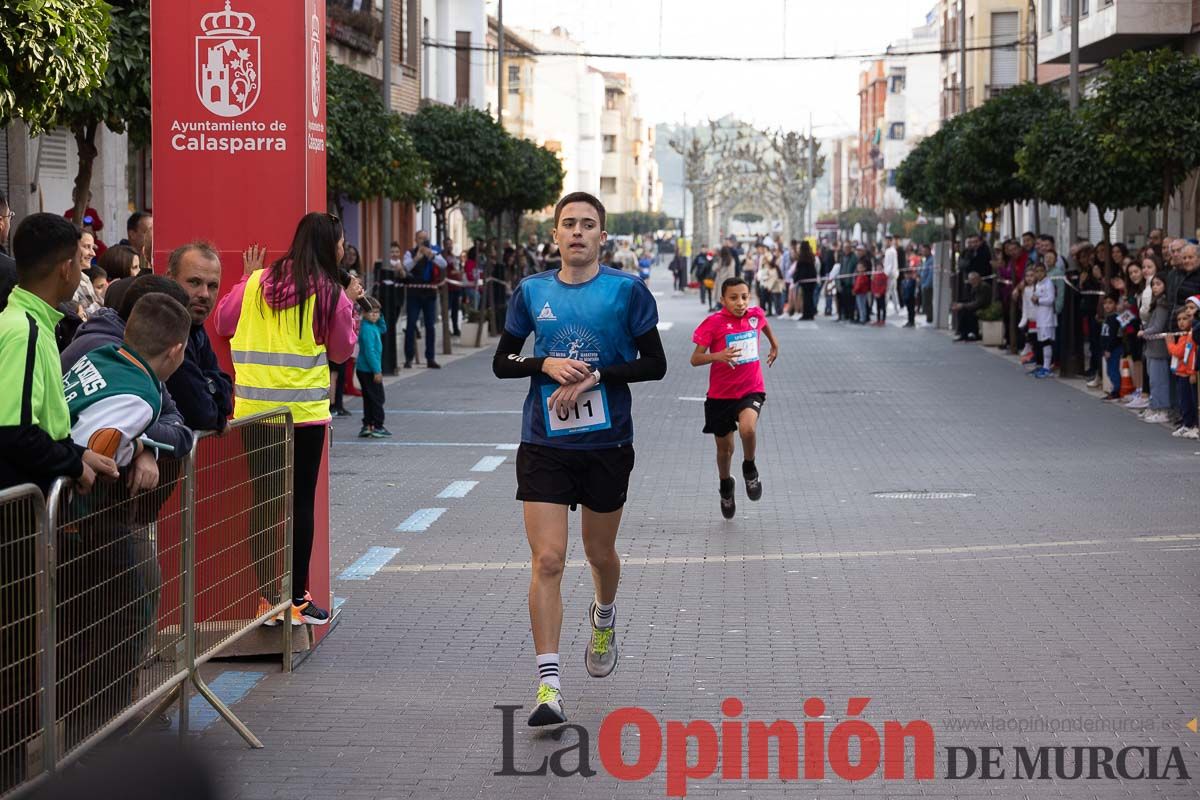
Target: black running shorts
{"x":721,"y":414}
{"x":597,"y":479}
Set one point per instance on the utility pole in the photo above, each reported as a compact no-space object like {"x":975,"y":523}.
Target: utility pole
{"x":1074,"y":99}
{"x":784,"y":28}
{"x":810,"y":179}
{"x":385,"y":205}
{"x":962,"y":57}
{"x":1033,"y":77}
{"x":660,"y":26}
{"x":500,"y":63}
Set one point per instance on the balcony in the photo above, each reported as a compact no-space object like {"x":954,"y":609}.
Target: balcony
{"x":990,"y":91}
{"x":1113,"y":27}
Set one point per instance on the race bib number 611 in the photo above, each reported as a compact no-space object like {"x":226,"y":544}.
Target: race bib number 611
{"x":588,"y":413}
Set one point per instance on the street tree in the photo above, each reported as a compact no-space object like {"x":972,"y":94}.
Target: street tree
{"x":49,"y":50}
{"x":987,"y":145}
{"x":465,"y":150}
{"x":369,"y":151}
{"x":122,"y":99}
{"x":1066,"y":163}
{"x":1144,"y":107}
{"x":748,"y":218}
{"x":529,"y":178}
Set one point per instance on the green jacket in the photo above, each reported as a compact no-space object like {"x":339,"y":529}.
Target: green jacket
{"x":113,"y":396}
{"x":35,"y":424}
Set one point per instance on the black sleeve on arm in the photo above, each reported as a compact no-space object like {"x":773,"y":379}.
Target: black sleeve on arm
{"x":508,"y":361}
{"x":37,"y":457}
{"x":651,"y":364}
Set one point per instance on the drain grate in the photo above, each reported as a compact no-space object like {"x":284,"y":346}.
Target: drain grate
{"x":923,"y":495}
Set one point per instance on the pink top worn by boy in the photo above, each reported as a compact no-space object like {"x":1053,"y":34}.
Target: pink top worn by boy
{"x":721,"y":330}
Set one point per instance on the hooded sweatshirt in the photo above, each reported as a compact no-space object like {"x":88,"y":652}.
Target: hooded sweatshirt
{"x":336,"y":332}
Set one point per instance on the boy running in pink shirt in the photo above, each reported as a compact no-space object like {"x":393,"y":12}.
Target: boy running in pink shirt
{"x":728,"y":341}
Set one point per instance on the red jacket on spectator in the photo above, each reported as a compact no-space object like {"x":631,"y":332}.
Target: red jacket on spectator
{"x":1183,"y":355}
{"x":862,"y":283}
{"x":879,"y":283}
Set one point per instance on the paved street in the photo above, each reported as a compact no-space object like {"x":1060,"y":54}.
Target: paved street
{"x":1058,"y":590}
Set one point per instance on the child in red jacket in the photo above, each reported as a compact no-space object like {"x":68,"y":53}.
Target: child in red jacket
{"x":879,"y":287}
{"x":1183,"y":363}
{"x":862,"y":289}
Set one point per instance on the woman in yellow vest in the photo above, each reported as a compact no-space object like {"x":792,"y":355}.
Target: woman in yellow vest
{"x":285,"y":324}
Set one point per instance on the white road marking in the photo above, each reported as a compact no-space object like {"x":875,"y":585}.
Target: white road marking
{"x":368,"y":564}
{"x":458,"y":489}
{"x":420,"y":520}
{"x":488,"y":463}
{"x":693,"y":399}
{"x":812,"y":556}
{"x":666,"y":326}
{"x":373,"y":442}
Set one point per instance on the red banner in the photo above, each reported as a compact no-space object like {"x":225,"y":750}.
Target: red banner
{"x":238,"y":105}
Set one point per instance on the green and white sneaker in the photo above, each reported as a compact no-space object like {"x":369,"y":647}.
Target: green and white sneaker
{"x":601,"y":657}
{"x":549,"y":708}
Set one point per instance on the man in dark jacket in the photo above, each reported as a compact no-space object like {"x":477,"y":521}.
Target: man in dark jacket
{"x":979,"y":297}
{"x":1188,"y":281}
{"x":204,"y":393}
{"x":846,"y":282}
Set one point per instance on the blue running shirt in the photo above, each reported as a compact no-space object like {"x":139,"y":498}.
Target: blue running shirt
{"x":596,"y":322}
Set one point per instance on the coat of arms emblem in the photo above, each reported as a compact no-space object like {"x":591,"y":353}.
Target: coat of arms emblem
{"x":228,"y":66}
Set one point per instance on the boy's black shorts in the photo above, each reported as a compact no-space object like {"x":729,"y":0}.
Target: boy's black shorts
{"x":597,"y":479}
{"x":721,"y":414}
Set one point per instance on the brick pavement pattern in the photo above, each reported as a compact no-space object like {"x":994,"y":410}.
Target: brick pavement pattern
{"x":1063,"y":587}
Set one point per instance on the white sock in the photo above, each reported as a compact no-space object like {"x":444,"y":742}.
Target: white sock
{"x":547,"y":664}
{"x":602,"y":616}
{"x":1047,"y":357}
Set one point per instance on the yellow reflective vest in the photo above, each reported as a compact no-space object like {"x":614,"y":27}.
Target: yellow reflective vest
{"x":276,"y":363}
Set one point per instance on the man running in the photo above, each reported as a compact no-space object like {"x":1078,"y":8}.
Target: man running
{"x":595,"y":332}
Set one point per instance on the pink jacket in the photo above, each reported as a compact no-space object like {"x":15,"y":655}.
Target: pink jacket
{"x":337,"y":333}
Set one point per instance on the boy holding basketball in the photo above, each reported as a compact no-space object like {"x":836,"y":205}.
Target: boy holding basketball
{"x":115,"y":392}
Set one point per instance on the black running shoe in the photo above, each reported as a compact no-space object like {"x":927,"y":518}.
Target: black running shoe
{"x":753,"y":484}
{"x":309,"y":613}
{"x":728,"y":505}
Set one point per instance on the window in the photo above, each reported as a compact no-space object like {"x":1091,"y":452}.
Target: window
{"x":608,"y":185}
{"x":610,"y":143}
{"x":896,"y":130}
{"x":891,"y":177}
{"x":462,"y":67}
{"x":1083,"y":7}
{"x":896,"y":82}
{"x":514,"y":78}
{"x":410,"y":33}
{"x":1005,"y":67}
{"x":610,"y":101}
{"x":1047,"y":16}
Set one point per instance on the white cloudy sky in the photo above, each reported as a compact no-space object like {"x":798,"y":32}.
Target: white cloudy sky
{"x":770,"y":94}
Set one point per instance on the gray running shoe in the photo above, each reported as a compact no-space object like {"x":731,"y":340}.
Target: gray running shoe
{"x":549,"y":707}
{"x":601,"y":658}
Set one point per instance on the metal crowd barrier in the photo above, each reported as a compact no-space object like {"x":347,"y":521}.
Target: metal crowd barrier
{"x":133,"y":593}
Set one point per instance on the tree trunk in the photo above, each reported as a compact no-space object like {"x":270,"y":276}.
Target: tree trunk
{"x":1012,"y":218}
{"x":699,"y":218}
{"x":1166,"y":204}
{"x":439,"y":220}
{"x":85,"y":142}
{"x":1105,"y":228}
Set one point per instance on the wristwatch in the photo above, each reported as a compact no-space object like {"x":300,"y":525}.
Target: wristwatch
{"x":596,"y":375}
